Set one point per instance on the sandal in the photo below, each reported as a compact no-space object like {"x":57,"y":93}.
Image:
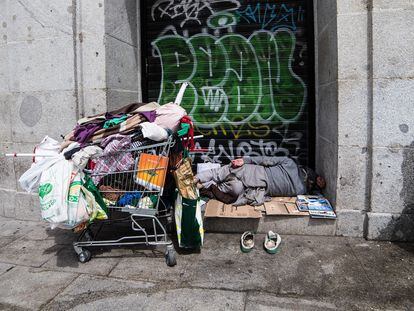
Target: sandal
{"x":247,"y":242}
{"x":272,"y":242}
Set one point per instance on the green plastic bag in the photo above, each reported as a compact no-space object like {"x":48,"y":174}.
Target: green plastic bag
{"x":189,"y":223}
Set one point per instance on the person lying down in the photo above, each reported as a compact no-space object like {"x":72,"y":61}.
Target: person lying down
{"x":253,"y":180}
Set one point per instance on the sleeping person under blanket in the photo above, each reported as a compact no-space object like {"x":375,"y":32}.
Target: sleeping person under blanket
{"x":253,"y":180}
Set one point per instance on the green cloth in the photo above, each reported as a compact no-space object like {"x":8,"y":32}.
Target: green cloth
{"x":110,"y":123}
{"x":88,"y":184}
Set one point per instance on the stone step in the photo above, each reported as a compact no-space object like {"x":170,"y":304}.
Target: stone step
{"x":281,"y":224}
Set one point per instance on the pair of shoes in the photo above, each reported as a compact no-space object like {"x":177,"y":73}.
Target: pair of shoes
{"x":270,"y":244}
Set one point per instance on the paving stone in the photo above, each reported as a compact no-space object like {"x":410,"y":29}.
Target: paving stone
{"x":263,"y":302}
{"x":67,"y":260}
{"x":151,"y":266}
{"x":15,"y":228}
{"x":390,"y":269}
{"x":30,"y":288}
{"x":28,"y":252}
{"x":4,"y":267}
{"x":43,"y":232}
{"x":92,"y":289}
{"x":111,"y":294}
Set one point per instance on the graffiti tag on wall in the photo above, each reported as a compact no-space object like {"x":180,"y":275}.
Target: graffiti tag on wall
{"x":244,"y":93}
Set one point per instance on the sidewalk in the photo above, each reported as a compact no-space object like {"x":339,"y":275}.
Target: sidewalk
{"x":39,"y":270}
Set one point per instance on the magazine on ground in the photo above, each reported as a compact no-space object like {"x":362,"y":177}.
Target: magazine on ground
{"x":318,"y":206}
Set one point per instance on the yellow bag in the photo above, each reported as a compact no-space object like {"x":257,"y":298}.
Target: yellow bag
{"x":184,"y":180}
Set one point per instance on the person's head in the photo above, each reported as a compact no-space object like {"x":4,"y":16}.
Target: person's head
{"x":313,"y":181}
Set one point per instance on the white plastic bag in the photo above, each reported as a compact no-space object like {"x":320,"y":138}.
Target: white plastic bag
{"x":46,"y":148}
{"x":53,"y":191}
{"x":77,"y":206}
{"x":29,"y":181}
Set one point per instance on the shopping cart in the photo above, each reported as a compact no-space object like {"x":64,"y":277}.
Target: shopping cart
{"x":146,"y":214}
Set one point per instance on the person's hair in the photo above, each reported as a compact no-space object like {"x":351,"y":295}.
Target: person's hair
{"x":310,"y":177}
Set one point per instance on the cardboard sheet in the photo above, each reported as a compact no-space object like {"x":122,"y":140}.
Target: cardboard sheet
{"x":283,"y":206}
{"x":215,"y":208}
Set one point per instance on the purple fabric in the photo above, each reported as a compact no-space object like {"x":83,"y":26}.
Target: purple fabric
{"x":108,"y":139}
{"x":83,"y":132}
{"x":149,"y":115}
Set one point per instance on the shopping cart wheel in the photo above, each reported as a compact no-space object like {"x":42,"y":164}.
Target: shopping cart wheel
{"x":84,"y":256}
{"x":170,"y":257}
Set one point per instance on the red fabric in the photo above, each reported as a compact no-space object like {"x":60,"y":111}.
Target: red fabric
{"x":189,"y":142}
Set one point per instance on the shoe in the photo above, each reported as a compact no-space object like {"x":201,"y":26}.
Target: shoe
{"x":272,"y":242}
{"x":247,"y":242}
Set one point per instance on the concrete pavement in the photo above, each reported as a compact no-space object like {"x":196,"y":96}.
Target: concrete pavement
{"x":39,"y":270}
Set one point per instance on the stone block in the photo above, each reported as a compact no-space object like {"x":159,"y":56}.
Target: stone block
{"x":7,"y":203}
{"x":327,"y":166}
{"x":392,"y":182}
{"x":352,"y":113}
{"x":27,"y":206}
{"x":117,"y":98}
{"x":121,"y":65}
{"x":328,"y":54}
{"x":352,"y":42}
{"x":393,"y":43}
{"x":7,"y":173}
{"x":393,"y":112}
{"x":280,"y":224}
{"x":382,"y":5}
{"x":94,"y":101}
{"x":91,"y":62}
{"x":352,"y":176}
{"x":327,"y":123}
{"x":4,"y":68}
{"x":121,"y":20}
{"x":326,"y":13}
{"x":390,"y":227}
{"x":41,"y":65}
{"x":6,"y":101}
{"x":20,"y":288}
{"x":351,"y":7}
{"x":32,"y":20}
{"x":93,"y":17}
{"x":350,"y":223}
{"x":37,"y":114}
{"x":4,"y":21}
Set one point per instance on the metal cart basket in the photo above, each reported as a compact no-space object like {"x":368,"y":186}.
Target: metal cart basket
{"x":144,"y":184}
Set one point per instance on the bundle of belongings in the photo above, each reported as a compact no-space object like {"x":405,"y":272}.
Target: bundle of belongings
{"x":69,"y":198}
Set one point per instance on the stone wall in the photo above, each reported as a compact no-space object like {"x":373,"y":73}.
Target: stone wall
{"x":59,"y":60}
{"x":365,"y":115}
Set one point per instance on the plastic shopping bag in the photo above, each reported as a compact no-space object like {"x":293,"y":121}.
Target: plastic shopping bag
{"x":29,"y":181}
{"x":46,"y":148}
{"x":53,"y":191}
{"x":77,"y":206}
{"x":189,"y":223}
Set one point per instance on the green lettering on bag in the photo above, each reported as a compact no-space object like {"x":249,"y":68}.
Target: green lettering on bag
{"x":45,"y":189}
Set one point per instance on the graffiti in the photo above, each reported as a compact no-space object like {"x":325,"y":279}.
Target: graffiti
{"x":271,"y":16}
{"x":245,"y":68}
{"x":189,"y":10}
{"x":239,"y":79}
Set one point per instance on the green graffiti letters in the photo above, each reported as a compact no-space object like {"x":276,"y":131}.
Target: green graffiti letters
{"x":233,"y":79}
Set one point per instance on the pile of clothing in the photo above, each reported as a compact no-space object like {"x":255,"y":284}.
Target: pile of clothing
{"x":70,"y":198}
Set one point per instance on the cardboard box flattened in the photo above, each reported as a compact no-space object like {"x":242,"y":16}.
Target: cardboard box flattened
{"x":283,"y":206}
{"x":217,"y":209}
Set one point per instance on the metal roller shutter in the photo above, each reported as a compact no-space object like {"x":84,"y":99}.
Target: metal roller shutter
{"x":249,"y":65}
